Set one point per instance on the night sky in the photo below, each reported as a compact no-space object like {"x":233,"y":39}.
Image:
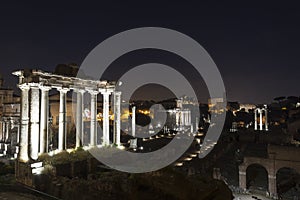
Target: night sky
{"x":255,"y":45}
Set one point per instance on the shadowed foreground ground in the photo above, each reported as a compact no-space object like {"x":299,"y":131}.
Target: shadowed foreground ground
{"x":165,"y":184}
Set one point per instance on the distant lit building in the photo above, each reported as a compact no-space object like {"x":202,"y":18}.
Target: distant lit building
{"x":178,"y":118}
{"x":216,"y":105}
{"x":247,"y":107}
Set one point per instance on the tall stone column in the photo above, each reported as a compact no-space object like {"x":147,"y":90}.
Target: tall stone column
{"x":255,"y":119}
{"x":2,"y":130}
{"x":177,"y":118}
{"x":23,"y":154}
{"x":18,"y":132}
{"x":44,"y":119}
{"x":266,"y":120}
{"x":187,"y":118}
{"x":182,"y":118}
{"x":34,"y":121}
{"x":117,"y":118}
{"x":7,"y":130}
{"x":62,"y":129}
{"x":197,"y":124}
{"x":260,"y":120}
{"x":93,"y":134}
{"x":79,"y":117}
{"x":105,"y":94}
{"x":133,"y":121}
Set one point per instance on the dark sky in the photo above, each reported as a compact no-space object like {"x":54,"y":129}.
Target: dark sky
{"x":255,"y":45}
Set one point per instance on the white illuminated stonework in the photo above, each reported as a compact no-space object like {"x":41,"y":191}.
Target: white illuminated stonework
{"x":34,"y":120}
{"x":117,"y":118}
{"x":262,"y":126}
{"x":23,"y":154}
{"x":79,"y":117}
{"x":93,"y":133}
{"x":34,"y":133}
{"x":62,"y":130}
{"x":44,"y":117}
{"x":133,"y":121}
{"x":106,"y":93}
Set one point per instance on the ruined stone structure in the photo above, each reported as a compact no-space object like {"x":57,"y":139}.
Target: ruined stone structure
{"x":261,"y":111}
{"x":278,"y":157}
{"x":178,"y":118}
{"x":35,"y":86}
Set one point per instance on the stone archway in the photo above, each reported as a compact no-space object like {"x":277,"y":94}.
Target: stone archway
{"x":257,"y":177}
{"x":278,"y":157}
{"x":267,"y":164}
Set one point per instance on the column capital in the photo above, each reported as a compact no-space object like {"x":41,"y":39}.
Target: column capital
{"x":79,"y":90}
{"x":105,"y":91}
{"x":63,"y":89}
{"x":117,"y":92}
{"x":93,"y":92}
{"x":24,"y":86}
{"x":34,"y":85}
{"x":45,"y":87}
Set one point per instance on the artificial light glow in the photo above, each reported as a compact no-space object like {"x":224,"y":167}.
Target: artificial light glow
{"x":121,"y":147}
{"x":179,"y":164}
{"x":200,"y":134}
{"x":70,"y":150}
{"x":145,"y":112}
{"x":188,"y":159}
{"x":193,"y":155}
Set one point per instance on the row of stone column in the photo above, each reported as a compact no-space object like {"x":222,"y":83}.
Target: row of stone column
{"x":183,"y":118}
{"x":260,"y":111}
{"x":5,"y":130}
{"x":35,"y":114}
{"x":186,"y":117}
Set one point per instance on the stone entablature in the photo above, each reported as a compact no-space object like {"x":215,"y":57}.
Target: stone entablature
{"x":58,"y":81}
